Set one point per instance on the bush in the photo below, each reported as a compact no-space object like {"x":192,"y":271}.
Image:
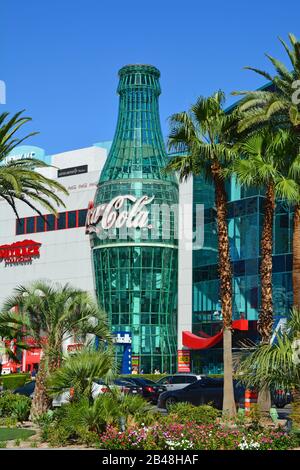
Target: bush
{"x":184,"y":412}
{"x":190,"y":436}
{"x":13,"y":381}
{"x":8,"y":421}
{"x":14,"y":405}
{"x":21,"y":409}
{"x":82,"y":422}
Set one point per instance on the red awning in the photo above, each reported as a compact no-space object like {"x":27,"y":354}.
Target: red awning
{"x":191,"y":341}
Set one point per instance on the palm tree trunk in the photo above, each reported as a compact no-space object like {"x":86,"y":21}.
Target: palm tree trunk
{"x":265,"y":320}
{"x":295,"y":415}
{"x":296,"y":257}
{"x":41,"y":401}
{"x":225,"y":272}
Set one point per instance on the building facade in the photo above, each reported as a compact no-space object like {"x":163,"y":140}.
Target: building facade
{"x":154,"y":288}
{"x":54,"y":248}
{"x":245,"y":219}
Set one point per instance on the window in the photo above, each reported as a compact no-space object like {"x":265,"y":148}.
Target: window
{"x":20,"y":227}
{"x":190,"y":379}
{"x":49,"y":222}
{"x":40,"y":224}
{"x":177,"y":379}
{"x":30,"y":225}
{"x":82,"y":217}
{"x":61,"y":222}
{"x":72,"y":219}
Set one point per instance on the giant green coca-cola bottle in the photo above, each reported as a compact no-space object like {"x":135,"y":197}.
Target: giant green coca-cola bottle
{"x":135,"y":251}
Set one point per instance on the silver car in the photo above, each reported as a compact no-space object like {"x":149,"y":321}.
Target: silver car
{"x":177,"y":381}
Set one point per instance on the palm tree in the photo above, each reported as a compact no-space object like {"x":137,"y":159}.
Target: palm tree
{"x":278,"y":106}
{"x":79,"y":370}
{"x":201,"y":137}
{"x":51,"y":314}
{"x":277,"y":365}
{"x":262,"y":165}
{"x":18,"y":179}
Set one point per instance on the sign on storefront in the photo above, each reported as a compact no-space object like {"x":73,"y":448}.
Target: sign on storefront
{"x":184,"y":360}
{"x":21,"y":252}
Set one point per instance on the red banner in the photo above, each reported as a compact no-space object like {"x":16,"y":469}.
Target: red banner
{"x":184,"y":360}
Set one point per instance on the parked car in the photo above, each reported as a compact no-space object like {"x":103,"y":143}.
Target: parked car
{"x":99,"y":386}
{"x":281,"y":398}
{"x":178,"y":381}
{"x":202,"y":392}
{"x":26,"y":389}
{"x":150,"y":389}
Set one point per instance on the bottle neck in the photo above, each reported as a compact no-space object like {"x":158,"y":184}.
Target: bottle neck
{"x":138,"y":149}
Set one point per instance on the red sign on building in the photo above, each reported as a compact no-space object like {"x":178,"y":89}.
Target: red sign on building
{"x":20,"y":252}
{"x":184,"y":360}
{"x":74,"y":347}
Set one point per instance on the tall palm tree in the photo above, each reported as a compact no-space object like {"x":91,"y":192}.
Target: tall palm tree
{"x":262,"y":164}
{"x":277,"y":365}
{"x":18,"y":179}
{"x":201,"y":137}
{"x":51,"y":314}
{"x":278,"y":106}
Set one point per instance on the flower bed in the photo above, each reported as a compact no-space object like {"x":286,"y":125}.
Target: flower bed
{"x":194,"y":436}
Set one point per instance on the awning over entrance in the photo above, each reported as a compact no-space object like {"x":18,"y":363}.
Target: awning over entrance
{"x":191,"y":341}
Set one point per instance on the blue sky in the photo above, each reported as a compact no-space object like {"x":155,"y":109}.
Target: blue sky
{"x":60,"y":58}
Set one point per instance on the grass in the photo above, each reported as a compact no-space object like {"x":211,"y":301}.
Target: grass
{"x":10,"y":434}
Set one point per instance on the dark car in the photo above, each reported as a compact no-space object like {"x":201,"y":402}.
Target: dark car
{"x":205,"y":391}
{"x":100,"y":386}
{"x":150,"y":390}
{"x":281,"y":398}
{"x":26,"y":389}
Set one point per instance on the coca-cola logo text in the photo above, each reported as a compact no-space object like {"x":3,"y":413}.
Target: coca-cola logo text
{"x":107,"y":216}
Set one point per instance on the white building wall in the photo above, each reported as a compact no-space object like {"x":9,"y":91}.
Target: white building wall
{"x":64,"y":254}
{"x":185,"y":259}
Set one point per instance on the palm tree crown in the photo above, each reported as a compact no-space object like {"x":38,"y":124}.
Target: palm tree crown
{"x":275,"y":104}
{"x":19,"y":179}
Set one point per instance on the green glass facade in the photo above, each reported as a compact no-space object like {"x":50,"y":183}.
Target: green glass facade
{"x":245,"y":218}
{"x":136,"y":274}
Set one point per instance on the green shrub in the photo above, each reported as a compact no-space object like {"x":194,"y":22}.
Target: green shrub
{"x":13,"y":381}
{"x":82,"y":421}
{"x":57,"y":436}
{"x":14,"y":405}
{"x":183,"y":412}
{"x":8,"y":421}
{"x":21,"y":409}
